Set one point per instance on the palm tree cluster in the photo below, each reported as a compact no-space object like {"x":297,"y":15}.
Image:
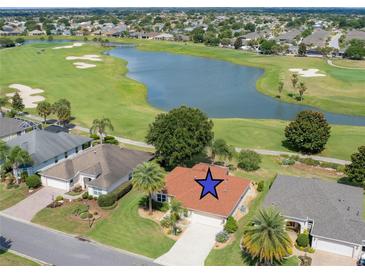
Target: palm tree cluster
{"x":61,"y":108}
{"x":265,"y":239}
{"x":13,"y":158}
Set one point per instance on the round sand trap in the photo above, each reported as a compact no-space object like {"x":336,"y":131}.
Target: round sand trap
{"x":70,"y":46}
{"x":307,"y":72}
{"x":90,"y":57}
{"x":27,"y":94}
{"x":81,"y":65}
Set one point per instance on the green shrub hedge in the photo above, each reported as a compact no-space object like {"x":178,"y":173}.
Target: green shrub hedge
{"x":107,"y":200}
{"x":260,"y":186}
{"x":231,"y":225}
{"x":249,"y":160}
{"x":33,"y":181}
{"x":222,"y":237}
{"x":303,"y":240}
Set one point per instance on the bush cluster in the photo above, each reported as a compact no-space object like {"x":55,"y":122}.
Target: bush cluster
{"x":80,"y":208}
{"x":249,"y":160}
{"x":303,"y":239}
{"x":260,"y":186}
{"x":33,"y":181}
{"x":85,"y":195}
{"x":110,"y":140}
{"x":222,"y":237}
{"x":309,"y":161}
{"x":107,"y":200}
{"x":231,"y":225}
{"x":288,"y":162}
{"x":59,"y":198}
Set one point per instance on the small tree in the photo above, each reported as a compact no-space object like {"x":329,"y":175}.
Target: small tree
{"x":356,"y":170}
{"x":294,"y":79}
{"x":149,"y":178}
{"x":62,"y":109}
{"x":16,"y":158}
{"x":17,"y":102}
{"x":302,"y":49}
{"x":221,"y":149}
{"x":176,"y":209}
{"x":309,"y":132}
{"x":99,"y":127}
{"x":238,"y":43}
{"x":280,"y":87}
{"x":302,"y":88}
{"x":231,"y":225}
{"x":44,"y":109}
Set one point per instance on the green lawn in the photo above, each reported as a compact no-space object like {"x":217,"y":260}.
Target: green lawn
{"x":9,"y":197}
{"x":125,"y":229}
{"x":60,"y":218}
{"x":9,"y":259}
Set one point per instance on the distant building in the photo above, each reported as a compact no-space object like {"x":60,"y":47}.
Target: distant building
{"x":289,"y":37}
{"x":36,"y":32}
{"x":355,"y":34}
{"x":317,"y":39}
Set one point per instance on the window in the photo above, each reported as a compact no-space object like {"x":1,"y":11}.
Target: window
{"x":77,"y":149}
{"x":97,"y":192}
{"x":66,"y":154}
{"x":161,"y":197}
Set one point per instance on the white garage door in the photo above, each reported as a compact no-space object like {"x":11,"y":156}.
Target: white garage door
{"x":338,"y":248}
{"x":205,"y":219}
{"x":55,"y":183}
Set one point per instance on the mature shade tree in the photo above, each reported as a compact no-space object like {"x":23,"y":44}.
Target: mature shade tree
{"x":356,"y":50}
{"x":221,"y":149}
{"x":17,"y":102}
{"x":148,"y":177}
{"x":197,"y":35}
{"x":44,"y":109}
{"x":179,"y":135}
{"x":308,"y":133}
{"x":238,"y":43}
{"x":294,"y":79}
{"x":302,"y":49}
{"x":356,"y":170}
{"x":302,"y":88}
{"x":267,"y":46}
{"x":16,"y":158}
{"x":265,"y":238}
{"x":99,"y":127}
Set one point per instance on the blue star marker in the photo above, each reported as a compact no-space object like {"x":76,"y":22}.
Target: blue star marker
{"x":209,"y":185}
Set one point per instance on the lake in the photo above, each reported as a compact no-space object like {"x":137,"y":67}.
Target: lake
{"x":220,"y":89}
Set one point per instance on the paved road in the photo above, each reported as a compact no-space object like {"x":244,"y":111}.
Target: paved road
{"x":61,"y":249}
{"x":334,"y":42}
{"x":259,"y":151}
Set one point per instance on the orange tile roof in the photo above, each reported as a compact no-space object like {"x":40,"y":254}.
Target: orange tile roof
{"x":180,"y":183}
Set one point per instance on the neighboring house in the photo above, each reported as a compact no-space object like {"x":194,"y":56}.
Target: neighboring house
{"x":99,"y":169}
{"x":330,"y":212}
{"x":355,"y":34}
{"x":36,"y":33}
{"x":11,"y":128}
{"x":181,"y":185}
{"x":317,"y":39}
{"x":164,"y":36}
{"x":48,"y":148}
{"x":289,"y":37}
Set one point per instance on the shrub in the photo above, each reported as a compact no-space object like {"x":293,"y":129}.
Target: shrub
{"x":24,"y":176}
{"x":90,"y":197}
{"x":85,"y":195}
{"x":94,"y":136}
{"x":303,"y":240}
{"x":122,"y":190}
{"x":165,"y":207}
{"x":86,"y":215}
{"x":309,"y":161}
{"x":110,"y":140}
{"x":33,"y":181}
{"x":328,"y":165}
{"x":165,"y":222}
{"x":356,"y":171}
{"x":107,"y":200}
{"x":59,"y":198}
{"x":249,"y":160}
{"x":288,"y":162}
{"x":231,"y":225}
{"x":77,"y":189}
{"x":231,"y":167}
{"x":222,"y":237}
{"x":260,"y":186}
{"x":305,"y":260}
{"x":81,"y":208}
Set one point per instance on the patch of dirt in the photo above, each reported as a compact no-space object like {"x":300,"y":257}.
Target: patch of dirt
{"x":156,"y":215}
{"x":223,"y":245}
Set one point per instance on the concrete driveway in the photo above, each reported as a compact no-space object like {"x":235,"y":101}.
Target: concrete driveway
{"x":28,"y":207}
{"x":195,"y":243}
{"x":323,"y":258}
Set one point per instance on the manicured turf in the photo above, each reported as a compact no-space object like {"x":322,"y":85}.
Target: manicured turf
{"x":125,"y":229}
{"x":60,"y":218}
{"x":9,"y":197}
{"x":349,"y":63}
{"x":106,"y":91}
{"x":10,"y":259}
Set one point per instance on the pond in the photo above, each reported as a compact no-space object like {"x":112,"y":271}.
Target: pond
{"x":220,"y":89}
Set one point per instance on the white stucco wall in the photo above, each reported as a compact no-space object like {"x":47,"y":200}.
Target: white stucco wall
{"x":56,"y":183}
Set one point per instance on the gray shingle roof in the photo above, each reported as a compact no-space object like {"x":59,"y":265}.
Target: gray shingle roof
{"x":355,"y":34}
{"x":108,"y":163}
{"x":317,"y":38}
{"x":336,"y":209}
{"x":289,"y":36}
{"x":43,"y":145}
{"x":10,"y":126}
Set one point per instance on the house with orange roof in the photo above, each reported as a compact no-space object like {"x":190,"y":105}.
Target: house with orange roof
{"x":181,"y":185}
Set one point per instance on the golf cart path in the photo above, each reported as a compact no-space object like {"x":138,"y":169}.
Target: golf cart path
{"x":259,"y":151}
{"x":334,"y":65}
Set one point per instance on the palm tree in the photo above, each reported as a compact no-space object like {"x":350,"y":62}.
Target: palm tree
{"x":302,"y":89}
{"x":222,"y":150}
{"x":44,"y":109}
{"x":176,"y":210}
{"x":16,"y":158}
{"x":149,"y":178}
{"x":99,"y":126}
{"x":265,"y":238}
{"x":294,"y":79}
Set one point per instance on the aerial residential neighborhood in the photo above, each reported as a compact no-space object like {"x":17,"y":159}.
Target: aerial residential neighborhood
{"x":182,"y":137}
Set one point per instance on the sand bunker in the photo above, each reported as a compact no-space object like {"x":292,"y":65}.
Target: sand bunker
{"x":307,"y":72}
{"x":90,"y":57}
{"x":70,"y":46}
{"x":27,"y":94}
{"x":81,"y":65}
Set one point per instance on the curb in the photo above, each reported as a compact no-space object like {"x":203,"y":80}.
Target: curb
{"x":42,"y":263}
